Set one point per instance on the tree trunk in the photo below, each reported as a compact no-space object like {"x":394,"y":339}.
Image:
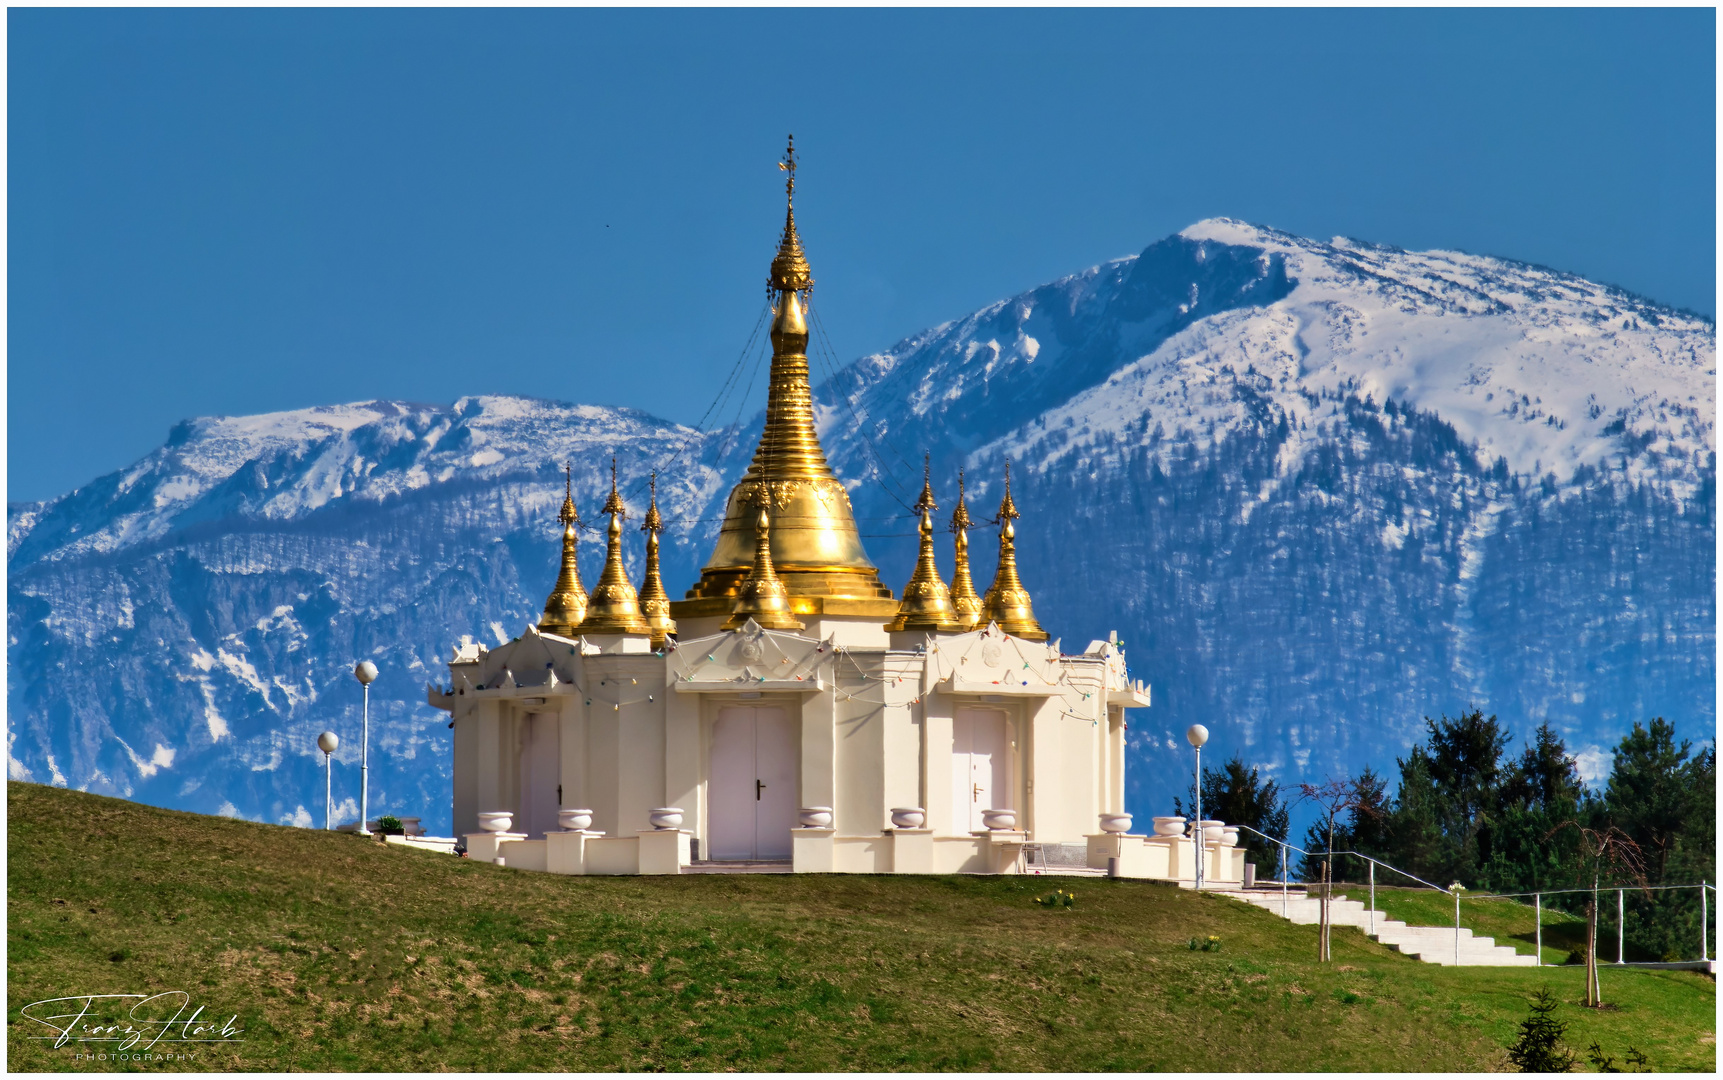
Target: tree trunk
{"x":1327,"y":891}
{"x":1593,"y":994}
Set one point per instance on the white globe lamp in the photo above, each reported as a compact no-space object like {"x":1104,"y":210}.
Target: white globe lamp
{"x":366,"y":672}
{"x":1196,"y":735}
{"x":328,"y":742}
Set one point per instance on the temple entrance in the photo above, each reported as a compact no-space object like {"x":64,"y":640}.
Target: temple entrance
{"x":980,"y":769}
{"x":540,"y":766}
{"x":751,"y":790}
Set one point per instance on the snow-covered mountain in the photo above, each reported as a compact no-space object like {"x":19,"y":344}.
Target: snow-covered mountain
{"x":1320,"y":489}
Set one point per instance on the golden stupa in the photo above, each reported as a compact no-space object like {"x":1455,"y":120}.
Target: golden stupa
{"x":1007,"y":602}
{"x":613,"y":606}
{"x":926,"y":599}
{"x":567,"y":603}
{"x":816,"y":552}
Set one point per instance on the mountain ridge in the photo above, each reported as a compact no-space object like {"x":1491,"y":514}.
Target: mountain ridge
{"x":1288,"y":489}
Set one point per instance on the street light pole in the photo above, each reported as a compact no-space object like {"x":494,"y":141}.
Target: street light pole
{"x":327,"y":742}
{"x":1196,"y":734}
{"x":365,"y":672}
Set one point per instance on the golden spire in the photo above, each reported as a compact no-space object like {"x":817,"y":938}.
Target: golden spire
{"x":613,"y":608}
{"x":762,"y":596}
{"x":817,"y":549}
{"x":567,"y":603}
{"x":963,"y":598}
{"x":926,"y":601}
{"x":654,"y":602}
{"x":1007,"y":601}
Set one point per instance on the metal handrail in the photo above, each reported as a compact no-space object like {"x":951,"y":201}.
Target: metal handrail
{"x":1378,"y":862}
{"x":1538,"y":895}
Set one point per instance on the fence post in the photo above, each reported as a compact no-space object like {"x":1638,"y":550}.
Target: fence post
{"x":1620,"y":924}
{"x":1285,"y":907}
{"x":1704,"y":924}
{"x":1456,"y":927}
{"x":1538,"y":907}
{"x":1372,"y":897}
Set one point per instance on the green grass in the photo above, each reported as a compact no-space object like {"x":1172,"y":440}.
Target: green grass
{"x":338,"y":953}
{"x":1511,"y":923}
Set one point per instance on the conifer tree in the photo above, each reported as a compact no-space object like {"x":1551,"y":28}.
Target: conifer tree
{"x":1539,"y":1048}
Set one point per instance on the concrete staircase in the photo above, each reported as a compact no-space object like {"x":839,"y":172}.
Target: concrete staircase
{"x":1431,"y":944}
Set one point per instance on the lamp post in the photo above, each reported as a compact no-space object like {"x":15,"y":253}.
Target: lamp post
{"x":1197,"y":735}
{"x":365,"y":672}
{"x":328,"y":742}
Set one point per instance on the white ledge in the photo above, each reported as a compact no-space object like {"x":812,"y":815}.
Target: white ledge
{"x":754,"y":686}
{"x":1036,"y":688}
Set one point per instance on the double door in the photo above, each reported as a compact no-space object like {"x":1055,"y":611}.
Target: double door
{"x":980,"y":767}
{"x":540,"y":769}
{"x":751,"y":792}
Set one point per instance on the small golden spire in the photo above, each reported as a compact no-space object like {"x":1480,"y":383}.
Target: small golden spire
{"x":963,"y":598}
{"x":790,"y":270}
{"x":762,"y":597}
{"x":654,"y":601}
{"x":926,"y":601}
{"x":567,"y":603}
{"x":1007,"y":601}
{"x":613,"y":607}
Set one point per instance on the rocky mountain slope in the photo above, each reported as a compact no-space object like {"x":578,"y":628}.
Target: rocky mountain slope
{"x":1320,"y":489}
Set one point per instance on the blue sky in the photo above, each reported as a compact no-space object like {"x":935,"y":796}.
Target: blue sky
{"x":245,"y":211}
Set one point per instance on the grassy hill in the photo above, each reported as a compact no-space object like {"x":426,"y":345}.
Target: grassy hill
{"x":339,"y":953}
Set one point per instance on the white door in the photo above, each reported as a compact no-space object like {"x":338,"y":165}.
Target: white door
{"x":540,"y":771}
{"x":980,"y":767}
{"x":751,"y":786}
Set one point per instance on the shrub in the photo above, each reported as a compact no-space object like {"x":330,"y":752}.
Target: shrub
{"x":1058,"y":899}
{"x":1540,"y":1049}
{"x":390,"y":825}
{"x":1602,"y":1062}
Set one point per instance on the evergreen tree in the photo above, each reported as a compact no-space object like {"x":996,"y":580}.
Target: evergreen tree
{"x":1666,"y":801}
{"x":1541,"y":790}
{"x":1466,"y":768}
{"x":1417,"y":843}
{"x":1650,"y":790}
{"x":1539,"y":1048}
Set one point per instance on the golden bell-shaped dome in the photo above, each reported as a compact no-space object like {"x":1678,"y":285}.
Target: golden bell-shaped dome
{"x":1007,"y":601}
{"x":613,"y":607}
{"x":926,"y":601}
{"x":816,"y":550}
{"x":567,"y":603}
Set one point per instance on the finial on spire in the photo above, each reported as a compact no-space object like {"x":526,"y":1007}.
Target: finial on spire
{"x":790,"y":270}
{"x":788,"y":165}
{"x":1007,"y":508}
{"x":614,"y":505}
{"x":926,"y":503}
{"x":568,"y":515}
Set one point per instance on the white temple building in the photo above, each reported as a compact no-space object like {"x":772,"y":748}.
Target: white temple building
{"x":789,"y":709}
